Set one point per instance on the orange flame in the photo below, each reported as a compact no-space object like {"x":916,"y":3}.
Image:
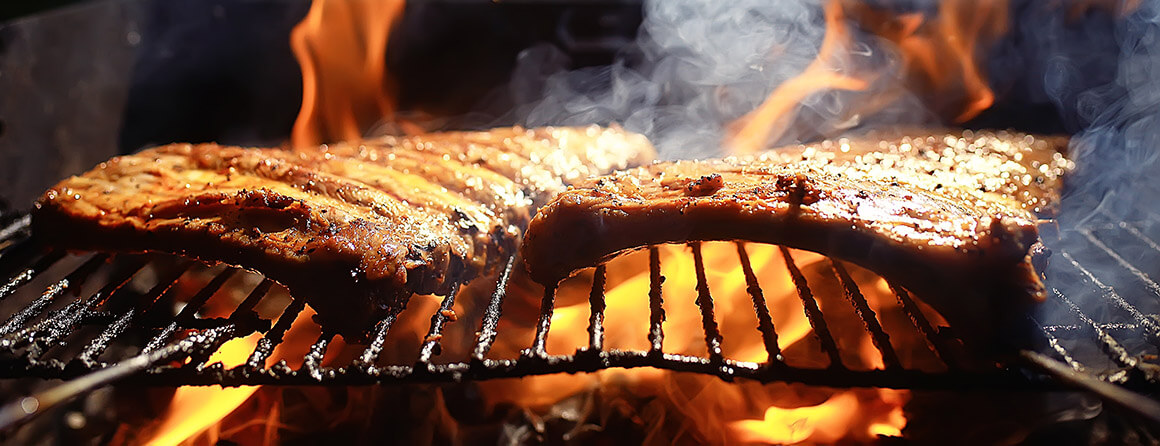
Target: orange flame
{"x":939,"y":55}
{"x":714,"y":410}
{"x":193,"y":409}
{"x":770,"y":119}
{"x":341,"y":46}
{"x":838,"y":418}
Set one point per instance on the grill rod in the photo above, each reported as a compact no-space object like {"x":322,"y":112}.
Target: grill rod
{"x":481,"y":368}
{"x":1139,"y":404}
{"x":16,"y":413}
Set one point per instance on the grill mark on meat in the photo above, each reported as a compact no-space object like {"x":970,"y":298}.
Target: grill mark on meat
{"x":536,"y":180}
{"x":351,"y":228}
{"x":307,"y":176}
{"x":963,"y":250}
{"x":495,"y":193}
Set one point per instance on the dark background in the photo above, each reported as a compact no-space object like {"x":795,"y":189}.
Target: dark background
{"x":84,"y":81}
{"x":11,"y":9}
{"x":81,"y":81}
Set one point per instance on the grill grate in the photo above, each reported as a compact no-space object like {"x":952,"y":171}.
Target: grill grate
{"x":135,"y":335}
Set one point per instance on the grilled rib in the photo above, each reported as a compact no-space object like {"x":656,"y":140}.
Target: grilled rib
{"x":951,"y":217}
{"x":353,"y":228}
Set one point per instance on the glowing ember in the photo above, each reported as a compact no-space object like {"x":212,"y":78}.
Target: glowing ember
{"x":341,"y":47}
{"x":841,"y":417}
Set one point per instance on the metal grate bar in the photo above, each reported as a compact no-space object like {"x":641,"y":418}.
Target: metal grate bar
{"x":764,"y":321}
{"x":1110,"y":294}
{"x":1075,"y":330}
{"x":596,"y":314}
{"x":106,"y":293}
{"x":513,"y":368}
{"x":878,"y":336}
{"x":656,"y":332}
{"x":813,"y":313}
{"x":191,"y":308}
{"x":78,"y":276}
{"x":30,"y":273}
{"x":312,"y":365}
{"x":11,"y":234}
{"x":10,"y":231}
{"x":705,"y":303}
{"x":242,"y":316}
{"x":547,"y":307}
{"x":17,"y":255}
{"x":486,"y":336}
{"x":13,"y":414}
{"x":1140,"y":404}
{"x":1148,"y":282}
{"x":937,"y":344}
{"x":1053,"y":342}
{"x":272,"y":338}
{"x":98,"y":345}
{"x":1112,"y":347}
{"x":371,"y":354}
{"x":162,"y":288}
{"x":60,"y":325}
{"x":1131,"y":228}
{"x":431,"y":344}
{"x":255,"y":296}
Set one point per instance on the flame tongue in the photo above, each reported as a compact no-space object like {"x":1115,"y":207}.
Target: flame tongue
{"x":341,"y":47}
{"x":939,"y":56}
{"x":770,"y":118}
{"x":193,"y":409}
{"x":941,"y":53}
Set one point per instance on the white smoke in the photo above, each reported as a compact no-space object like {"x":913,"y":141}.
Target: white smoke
{"x":1099,"y":64}
{"x":1091,"y":68}
{"x":696,"y":66}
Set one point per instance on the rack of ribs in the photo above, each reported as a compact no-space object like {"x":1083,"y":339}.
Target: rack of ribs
{"x":353,"y":228}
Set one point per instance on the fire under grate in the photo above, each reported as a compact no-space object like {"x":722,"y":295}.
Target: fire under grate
{"x":94,"y":338}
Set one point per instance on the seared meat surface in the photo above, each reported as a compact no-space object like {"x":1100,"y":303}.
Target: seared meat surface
{"x":952,"y":219}
{"x":1028,"y":170}
{"x":353,"y":228}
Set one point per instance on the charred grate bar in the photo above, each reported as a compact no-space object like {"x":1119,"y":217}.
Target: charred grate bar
{"x":764,"y":320}
{"x":813,"y":311}
{"x":125,"y":332}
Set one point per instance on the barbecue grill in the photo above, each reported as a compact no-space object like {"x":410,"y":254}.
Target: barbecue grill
{"x":93,"y":319}
{"x":122,"y":336}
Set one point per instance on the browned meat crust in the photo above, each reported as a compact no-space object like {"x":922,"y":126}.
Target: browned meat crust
{"x":1028,"y":170}
{"x":351,"y":228}
{"x":933,"y":219}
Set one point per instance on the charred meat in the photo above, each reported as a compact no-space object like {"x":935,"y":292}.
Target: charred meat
{"x":951,"y":217}
{"x":353,"y":228}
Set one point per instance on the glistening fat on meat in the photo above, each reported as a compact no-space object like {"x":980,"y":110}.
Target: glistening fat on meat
{"x":353,"y":228}
{"x":952,"y":217}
